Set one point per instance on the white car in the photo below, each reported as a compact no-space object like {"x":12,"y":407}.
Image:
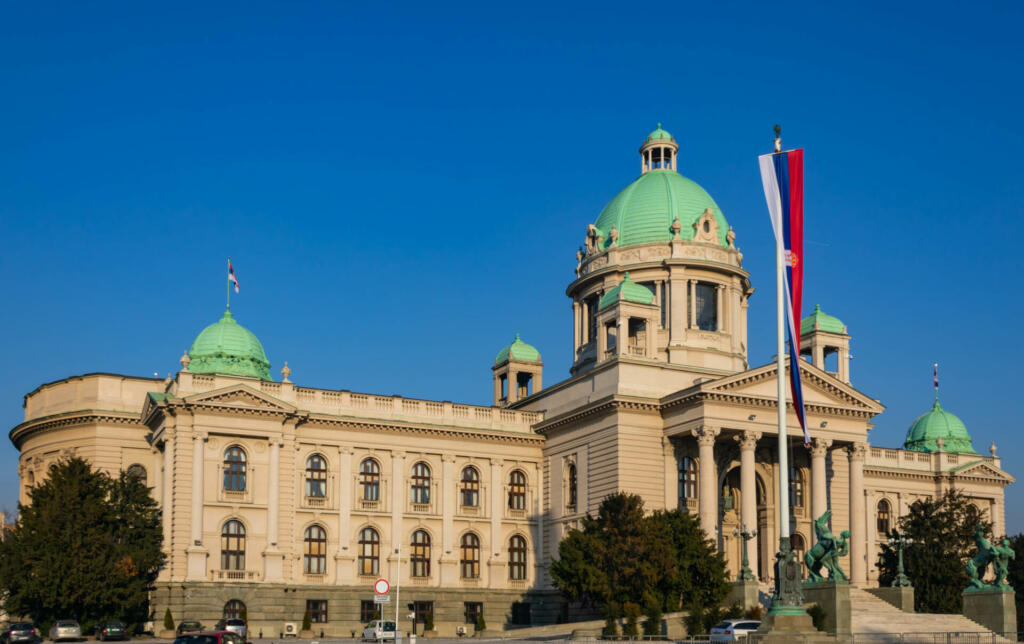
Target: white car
{"x":65,"y":629}
{"x":732,"y":630}
{"x":379,"y":630}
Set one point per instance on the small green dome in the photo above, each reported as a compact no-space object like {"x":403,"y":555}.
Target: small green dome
{"x":227,"y":347}
{"x":645,"y":209}
{"x":824,"y":322}
{"x":627,"y":290}
{"x":659,"y":135}
{"x":938,"y":423}
{"x":518,"y":350}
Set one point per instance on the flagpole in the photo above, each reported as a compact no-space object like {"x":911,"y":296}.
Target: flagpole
{"x":229,"y":284}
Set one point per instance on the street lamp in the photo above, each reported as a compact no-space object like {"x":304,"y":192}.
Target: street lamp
{"x":745,"y":573}
{"x":899,"y":542}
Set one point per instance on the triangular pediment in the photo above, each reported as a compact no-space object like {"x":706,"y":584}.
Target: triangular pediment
{"x":983,"y":469}
{"x":820,"y":387}
{"x":239,"y":396}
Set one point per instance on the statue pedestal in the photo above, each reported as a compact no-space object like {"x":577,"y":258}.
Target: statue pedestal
{"x":786,"y":629}
{"x":902,"y":597}
{"x":743,"y":593}
{"x":993,"y":608}
{"x":834,"y":598}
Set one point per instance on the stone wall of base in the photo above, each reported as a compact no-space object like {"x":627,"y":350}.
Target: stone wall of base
{"x":902,"y":597}
{"x":994,"y":609}
{"x":270,"y":606}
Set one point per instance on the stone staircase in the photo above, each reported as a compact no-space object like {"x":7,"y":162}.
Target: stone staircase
{"x":870,"y":615}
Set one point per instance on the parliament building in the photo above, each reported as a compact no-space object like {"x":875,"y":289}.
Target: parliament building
{"x":280,"y":498}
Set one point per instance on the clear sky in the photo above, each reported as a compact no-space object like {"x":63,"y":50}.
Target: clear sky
{"x":403,"y":187}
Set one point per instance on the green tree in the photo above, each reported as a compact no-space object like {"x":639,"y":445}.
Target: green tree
{"x":1015,"y":577}
{"x":943,"y":533}
{"x":86,"y":545}
{"x":307,"y":621}
{"x":168,"y":620}
{"x":622,"y":556}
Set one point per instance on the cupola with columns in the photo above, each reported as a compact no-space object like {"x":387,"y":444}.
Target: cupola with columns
{"x":667,"y":232}
{"x":518,"y":373}
{"x":822,"y":335}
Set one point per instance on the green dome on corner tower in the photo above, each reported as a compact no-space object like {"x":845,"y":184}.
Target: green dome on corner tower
{"x":645,"y":210}
{"x":518,"y":350}
{"x":227,"y":347}
{"x":925,"y":432}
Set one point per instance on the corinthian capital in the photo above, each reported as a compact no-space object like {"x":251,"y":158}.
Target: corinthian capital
{"x":857,"y":451}
{"x":820,"y":447}
{"x":748,"y":439}
{"x":706,"y":435}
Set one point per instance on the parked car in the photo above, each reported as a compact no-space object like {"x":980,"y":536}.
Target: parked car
{"x":111,"y":630}
{"x":379,"y":630}
{"x":20,"y":633}
{"x":65,"y":629}
{"x":235,"y":625}
{"x":216,"y":637}
{"x":732,"y":630}
{"x":188,"y":626}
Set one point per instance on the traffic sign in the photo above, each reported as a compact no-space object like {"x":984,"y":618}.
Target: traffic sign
{"x":382,"y":599}
{"x":381,"y":587}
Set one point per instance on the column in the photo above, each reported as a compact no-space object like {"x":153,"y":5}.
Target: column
{"x":720,"y":306}
{"x":196,"y":533}
{"x":677,"y":311}
{"x":857,"y":527}
{"x":344,"y":498}
{"x":575,"y":327}
{"x":671,"y":474}
{"x":167,"y":499}
{"x":708,"y":481}
{"x":274,"y":493}
{"x":818,"y":356}
{"x":844,"y":365}
{"x":397,"y":508}
{"x":748,"y":489}
{"x":998,"y":518}
{"x":494,"y":560}
{"x":497,"y":389}
{"x":538,"y":533}
{"x":819,"y":489}
{"x":449,"y":500}
{"x":691,"y":298}
{"x":869,"y":521}
{"x":584,"y":322}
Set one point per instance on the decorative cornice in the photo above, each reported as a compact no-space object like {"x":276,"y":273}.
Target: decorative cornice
{"x":76,"y":418}
{"x":606,"y":405}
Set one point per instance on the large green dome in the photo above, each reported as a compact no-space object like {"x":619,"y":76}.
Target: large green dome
{"x":645,"y":209}
{"x":925,"y":432}
{"x":227,"y":347}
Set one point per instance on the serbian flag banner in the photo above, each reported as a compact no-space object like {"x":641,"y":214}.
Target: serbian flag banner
{"x":782,"y":174}
{"x":231,"y":275}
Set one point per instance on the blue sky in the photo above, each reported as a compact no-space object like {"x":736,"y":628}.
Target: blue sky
{"x":403,"y":187}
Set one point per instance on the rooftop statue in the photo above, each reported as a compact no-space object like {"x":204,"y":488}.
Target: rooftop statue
{"x":826,"y":553}
{"x":999,"y":556}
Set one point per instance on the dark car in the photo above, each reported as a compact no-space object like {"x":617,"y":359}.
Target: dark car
{"x":19,"y":633}
{"x":189,"y":626}
{"x":216,"y":637}
{"x":111,"y":630}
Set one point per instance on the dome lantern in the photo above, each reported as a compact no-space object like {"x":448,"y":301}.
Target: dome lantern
{"x":658,"y":151}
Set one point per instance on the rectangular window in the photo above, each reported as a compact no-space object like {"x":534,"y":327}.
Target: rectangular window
{"x":706,"y":306}
{"x":473,"y":611}
{"x":367,"y":610}
{"x":592,"y":318}
{"x":421,"y":610}
{"x":317,"y":609}
{"x":664,"y":303}
{"x":521,"y":613}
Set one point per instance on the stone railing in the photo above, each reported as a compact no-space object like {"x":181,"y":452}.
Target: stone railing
{"x":921,"y":461}
{"x":349,"y":403}
{"x":235,"y":575}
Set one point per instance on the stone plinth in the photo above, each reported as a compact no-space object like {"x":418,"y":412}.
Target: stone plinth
{"x":787,"y":629}
{"x":743,"y":593}
{"x":902,"y":597}
{"x":992,"y":608}
{"x":834,"y":598}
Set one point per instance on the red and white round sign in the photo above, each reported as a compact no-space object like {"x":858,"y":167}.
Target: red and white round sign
{"x":381,"y":587}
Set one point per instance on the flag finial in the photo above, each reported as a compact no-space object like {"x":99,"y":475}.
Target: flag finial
{"x":778,"y":137}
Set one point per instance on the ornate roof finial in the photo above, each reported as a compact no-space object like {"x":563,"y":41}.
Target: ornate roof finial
{"x":778,"y":138}
{"x":992,"y":449}
{"x":285,"y":372}
{"x":184,"y":360}
{"x":939,"y":443}
{"x":675,"y":227}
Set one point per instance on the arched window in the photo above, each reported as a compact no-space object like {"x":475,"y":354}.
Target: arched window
{"x":573,"y":486}
{"x":687,"y":480}
{"x":369,"y":479}
{"x":517,"y":557}
{"x":369,"y":552}
{"x":315,"y":559}
{"x":421,"y":483}
{"x":232,"y":546}
{"x":470,"y":487}
{"x":138,"y":472}
{"x":234,"y":469}
{"x":419,"y":558}
{"x":469,"y":558}
{"x":517,"y":490}
{"x":796,"y":542}
{"x":316,"y":476}
{"x":235,"y":609}
{"x":797,"y":483}
{"x":884,"y":516}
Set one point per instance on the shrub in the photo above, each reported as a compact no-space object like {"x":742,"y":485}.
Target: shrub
{"x":632,"y":612}
{"x":817,"y":614}
{"x":611,"y":628}
{"x":734,"y":612}
{"x":307,"y":621}
{"x":168,"y":620}
{"x":481,"y":624}
{"x":428,"y":625}
{"x":755,"y":613}
{"x":652,"y":627}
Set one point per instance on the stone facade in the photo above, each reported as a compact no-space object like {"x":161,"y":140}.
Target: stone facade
{"x":275,"y":494}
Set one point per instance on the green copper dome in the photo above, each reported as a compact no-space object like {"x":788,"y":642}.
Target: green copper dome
{"x":659,"y":135}
{"x":823,"y":321}
{"x":518,"y":350}
{"x":938,"y":423}
{"x":627,"y":290}
{"x":645,"y":209}
{"x":227,"y":347}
